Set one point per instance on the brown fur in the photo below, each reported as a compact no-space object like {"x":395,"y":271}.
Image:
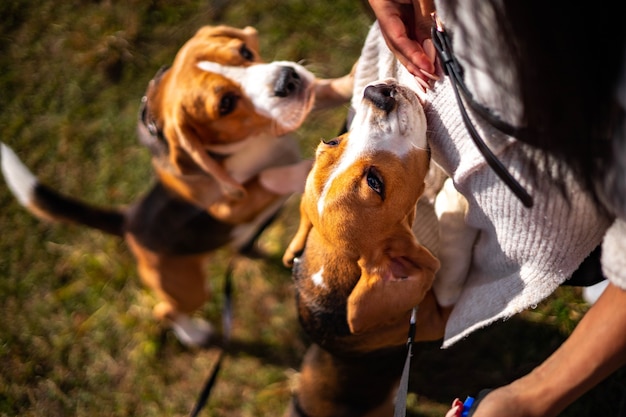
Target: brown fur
{"x":222,"y":169}
{"x":373,"y":269}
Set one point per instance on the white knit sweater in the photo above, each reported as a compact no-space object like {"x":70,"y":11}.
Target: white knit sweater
{"x":519,"y":255}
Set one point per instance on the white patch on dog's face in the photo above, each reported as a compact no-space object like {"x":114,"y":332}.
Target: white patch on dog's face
{"x":373,"y":130}
{"x":318,"y":278}
{"x":259,"y":83}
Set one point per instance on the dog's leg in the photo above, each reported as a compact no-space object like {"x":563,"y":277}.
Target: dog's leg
{"x":200,"y":190}
{"x":335,"y":91}
{"x":245,"y":210}
{"x":456,"y":242}
{"x":190,"y":331}
{"x":299,"y":240}
{"x":179,"y":283}
{"x":261,"y":192}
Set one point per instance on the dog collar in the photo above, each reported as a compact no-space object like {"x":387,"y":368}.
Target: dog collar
{"x":150,"y":134}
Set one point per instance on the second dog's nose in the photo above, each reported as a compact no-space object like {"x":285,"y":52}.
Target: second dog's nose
{"x":288,"y":82}
{"x":381,"y":95}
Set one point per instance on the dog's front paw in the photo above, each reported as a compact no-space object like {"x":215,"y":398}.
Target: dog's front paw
{"x":288,"y":258}
{"x":192,"y":332}
{"x":234,"y":191}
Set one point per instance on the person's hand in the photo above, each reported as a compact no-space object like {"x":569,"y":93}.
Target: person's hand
{"x":405,"y":25}
{"x":498,"y":402}
{"x":594,"y":350}
{"x":457,"y":408}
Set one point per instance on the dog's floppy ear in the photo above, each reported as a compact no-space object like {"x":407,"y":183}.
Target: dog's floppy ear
{"x":191,"y":144}
{"x":388,"y":290}
{"x":251,"y":37}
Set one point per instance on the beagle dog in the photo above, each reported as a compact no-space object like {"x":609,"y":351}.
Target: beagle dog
{"x":215,"y":123}
{"x":357,"y":265}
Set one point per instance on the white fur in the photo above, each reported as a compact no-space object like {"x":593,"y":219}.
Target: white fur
{"x":257,"y":81}
{"x":19,"y":179}
{"x":456,"y":241}
{"x":193,"y":332}
{"x":399,"y":132}
{"x":593,"y":292}
{"x":318,"y":278}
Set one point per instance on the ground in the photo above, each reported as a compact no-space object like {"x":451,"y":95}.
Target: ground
{"x":76,"y":333}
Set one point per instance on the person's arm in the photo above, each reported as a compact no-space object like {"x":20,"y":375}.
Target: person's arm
{"x":595,"y":349}
{"x":405,"y":25}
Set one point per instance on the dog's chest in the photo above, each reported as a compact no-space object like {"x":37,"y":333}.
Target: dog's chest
{"x":261,"y":152}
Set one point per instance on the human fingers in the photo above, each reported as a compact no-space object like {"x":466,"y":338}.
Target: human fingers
{"x":455,"y":410}
{"x":397,"y":24}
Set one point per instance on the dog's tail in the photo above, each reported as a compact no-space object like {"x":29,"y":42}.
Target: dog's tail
{"x":47,"y":204}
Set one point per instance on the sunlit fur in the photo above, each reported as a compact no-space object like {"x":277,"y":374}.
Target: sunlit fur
{"x":359,"y":239}
{"x":208,"y":68}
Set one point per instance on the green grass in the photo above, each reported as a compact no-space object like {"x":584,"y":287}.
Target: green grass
{"x":76,"y":333}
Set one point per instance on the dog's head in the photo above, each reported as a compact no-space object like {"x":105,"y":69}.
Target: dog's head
{"x":359,"y":206}
{"x":218,"y":95}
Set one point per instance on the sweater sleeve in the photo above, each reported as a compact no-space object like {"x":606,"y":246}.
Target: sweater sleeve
{"x":516,"y":256}
{"x":520,"y":255}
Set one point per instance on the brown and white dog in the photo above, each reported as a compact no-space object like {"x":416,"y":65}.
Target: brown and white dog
{"x":213,"y":122}
{"x":357,"y":266}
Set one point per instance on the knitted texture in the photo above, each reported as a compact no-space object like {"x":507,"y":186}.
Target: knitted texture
{"x":520,"y":255}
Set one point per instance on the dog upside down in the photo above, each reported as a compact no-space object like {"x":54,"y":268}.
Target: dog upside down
{"x":357,"y":266}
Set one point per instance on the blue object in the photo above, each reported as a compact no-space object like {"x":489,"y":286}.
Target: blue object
{"x":467,"y":406}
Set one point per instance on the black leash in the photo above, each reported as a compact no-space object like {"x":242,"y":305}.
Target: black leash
{"x":454,"y":71}
{"x":227,"y":319}
{"x":208,"y":386}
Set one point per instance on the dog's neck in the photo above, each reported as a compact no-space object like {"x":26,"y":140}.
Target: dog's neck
{"x":332,"y":385}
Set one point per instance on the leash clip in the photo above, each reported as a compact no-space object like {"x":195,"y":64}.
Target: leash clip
{"x":442,"y":43}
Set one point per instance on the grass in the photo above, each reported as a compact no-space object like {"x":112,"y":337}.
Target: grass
{"x":76,"y":334}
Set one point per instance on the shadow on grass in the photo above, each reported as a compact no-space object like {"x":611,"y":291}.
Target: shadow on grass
{"x":488,"y":358}
{"x":497,"y":355}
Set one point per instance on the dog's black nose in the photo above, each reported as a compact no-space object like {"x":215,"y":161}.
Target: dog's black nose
{"x":381,"y":95}
{"x":288,"y":82}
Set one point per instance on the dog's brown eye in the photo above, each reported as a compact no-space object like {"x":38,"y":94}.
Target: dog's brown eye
{"x":375,"y":182}
{"x":228,"y":103}
{"x":331,"y":142}
{"x":246,"y":53}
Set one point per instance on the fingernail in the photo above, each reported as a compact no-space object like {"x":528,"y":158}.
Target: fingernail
{"x":423,"y":83}
{"x":429,"y":75}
